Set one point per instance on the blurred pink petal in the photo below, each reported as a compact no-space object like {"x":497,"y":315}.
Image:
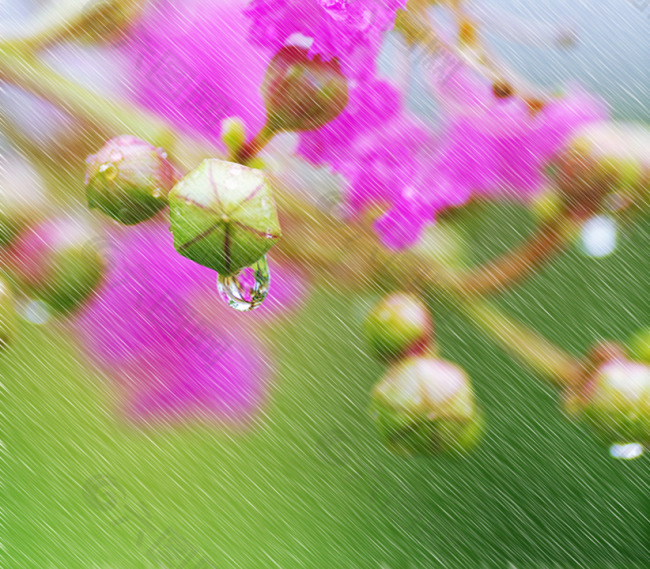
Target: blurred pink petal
{"x":176,"y":354}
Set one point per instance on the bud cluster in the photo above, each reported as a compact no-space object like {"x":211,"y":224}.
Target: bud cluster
{"x":423,"y":405}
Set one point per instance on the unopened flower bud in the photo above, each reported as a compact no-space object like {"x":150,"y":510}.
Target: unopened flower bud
{"x":398,"y":325}
{"x":128,"y":179}
{"x":23,"y":199}
{"x":223,"y":216}
{"x":303,"y":93}
{"x":8,"y":316}
{"x":57,"y":261}
{"x":604,"y":159}
{"x":426,"y":405}
{"x":616,"y":402}
{"x":547,"y":206}
{"x":233,"y":135}
{"x":639,"y":346}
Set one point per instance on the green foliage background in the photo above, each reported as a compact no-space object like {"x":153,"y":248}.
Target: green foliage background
{"x":311,"y":486}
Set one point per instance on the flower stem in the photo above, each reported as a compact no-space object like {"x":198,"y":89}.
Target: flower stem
{"x":26,"y":71}
{"x":541,"y":355}
{"x":516,"y":265}
{"x":251,"y":148}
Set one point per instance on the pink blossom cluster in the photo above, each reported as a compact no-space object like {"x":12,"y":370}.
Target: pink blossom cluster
{"x":351,"y":30}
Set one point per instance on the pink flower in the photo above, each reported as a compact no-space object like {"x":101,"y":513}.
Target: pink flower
{"x":497,"y":146}
{"x":372,"y":102}
{"x":386,"y":157}
{"x":351,"y":30}
{"x":160,"y":329}
{"x":195,"y":66}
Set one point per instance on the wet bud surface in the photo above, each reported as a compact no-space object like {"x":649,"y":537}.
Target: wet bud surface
{"x":58,"y":262}
{"x":616,"y":402}
{"x":425,"y":405}
{"x":397,"y":325}
{"x":302,"y":93}
{"x":128,"y":180}
{"x":223,"y":216}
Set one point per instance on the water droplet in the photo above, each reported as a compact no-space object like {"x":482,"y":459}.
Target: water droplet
{"x":627,"y":451}
{"x":157,"y":192}
{"x":109,"y":170}
{"x":247,"y":289}
{"x":599,"y":235}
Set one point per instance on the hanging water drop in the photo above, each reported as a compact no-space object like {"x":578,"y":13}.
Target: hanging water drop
{"x":247,"y":289}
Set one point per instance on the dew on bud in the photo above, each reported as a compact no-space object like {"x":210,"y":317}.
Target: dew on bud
{"x":128,"y":180}
{"x":223,"y":217}
{"x":57,"y":262}
{"x":426,"y":406}
{"x":398,"y":325}
{"x":8,"y":315}
{"x":302,"y":93}
{"x":628,"y":451}
{"x":599,"y":236}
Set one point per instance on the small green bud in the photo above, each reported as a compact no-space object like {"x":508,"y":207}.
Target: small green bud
{"x":604,"y":160}
{"x":8,"y":316}
{"x":547,"y":206}
{"x":398,"y":325}
{"x":58,"y":262}
{"x":128,"y":179}
{"x":616,"y":402}
{"x":425,"y":406}
{"x":639,"y":346}
{"x":233,"y":135}
{"x":223,"y":216}
{"x":23,"y":198}
{"x":303,"y":93}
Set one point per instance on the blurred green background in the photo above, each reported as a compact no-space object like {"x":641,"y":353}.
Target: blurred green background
{"x":310,"y":485}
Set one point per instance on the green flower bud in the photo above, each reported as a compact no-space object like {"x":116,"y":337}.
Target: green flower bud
{"x":398,"y":325}
{"x":233,"y":135}
{"x":223,"y":216}
{"x":639,"y":346}
{"x":302,"y":93}
{"x":425,"y":406}
{"x":23,"y":199}
{"x":8,"y":316}
{"x":616,"y":402}
{"x":547,"y":206}
{"x":128,"y":179}
{"x":602,"y":161}
{"x":58,"y":262}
